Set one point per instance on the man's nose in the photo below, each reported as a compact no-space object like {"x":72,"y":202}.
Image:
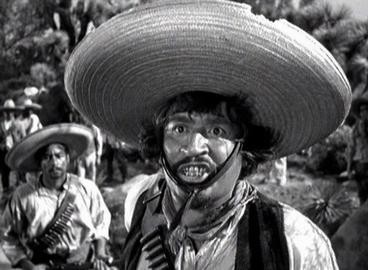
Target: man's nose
{"x":197,"y":145}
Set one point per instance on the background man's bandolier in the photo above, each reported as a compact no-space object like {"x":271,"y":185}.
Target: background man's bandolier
{"x":53,"y":233}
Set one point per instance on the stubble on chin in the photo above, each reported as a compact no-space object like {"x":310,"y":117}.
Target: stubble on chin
{"x":201,"y":201}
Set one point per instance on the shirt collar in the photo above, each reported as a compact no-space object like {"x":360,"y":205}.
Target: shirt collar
{"x":37,"y":183}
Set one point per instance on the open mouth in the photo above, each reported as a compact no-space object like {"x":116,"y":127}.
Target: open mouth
{"x":194,"y":171}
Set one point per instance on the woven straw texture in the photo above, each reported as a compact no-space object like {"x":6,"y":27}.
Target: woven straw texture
{"x":22,"y":156}
{"x":129,"y":66}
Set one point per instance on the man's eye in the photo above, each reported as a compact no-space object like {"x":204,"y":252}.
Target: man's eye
{"x":217,"y":131}
{"x":179,"y":129}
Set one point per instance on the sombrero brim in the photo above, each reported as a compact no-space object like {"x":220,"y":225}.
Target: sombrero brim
{"x":33,"y":106}
{"x":121,"y":73}
{"x":77,"y":138}
{"x":10,"y":109}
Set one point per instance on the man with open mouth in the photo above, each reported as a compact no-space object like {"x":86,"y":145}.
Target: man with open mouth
{"x":211,"y":90}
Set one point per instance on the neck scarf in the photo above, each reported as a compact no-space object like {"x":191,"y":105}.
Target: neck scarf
{"x":211,"y":221}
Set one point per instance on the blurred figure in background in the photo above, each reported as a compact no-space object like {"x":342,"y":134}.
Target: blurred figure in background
{"x":87,"y":164}
{"x":31,"y":120}
{"x":18,"y":128}
{"x":18,"y":132}
{"x":274,"y":171}
{"x":278,"y":171}
{"x":27,"y":123}
{"x":112,"y":153}
{"x":357,"y":156}
{"x":6,"y":139}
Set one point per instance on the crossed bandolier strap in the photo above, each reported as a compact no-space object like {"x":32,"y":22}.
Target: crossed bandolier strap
{"x":53,"y":234}
{"x":157,"y":254}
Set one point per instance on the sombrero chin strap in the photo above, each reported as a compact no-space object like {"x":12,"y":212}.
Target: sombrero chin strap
{"x":193,"y":189}
{"x":212,"y":178}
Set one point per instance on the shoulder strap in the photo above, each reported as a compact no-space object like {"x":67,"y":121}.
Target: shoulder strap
{"x":147,"y":232}
{"x":68,"y":200}
{"x":57,"y":226}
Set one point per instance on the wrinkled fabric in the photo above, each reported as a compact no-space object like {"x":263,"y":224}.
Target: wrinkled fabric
{"x":33,"y":206}
{"x":213,"y":221}
{"x":219,"y":240}
{"x":308,"y":247}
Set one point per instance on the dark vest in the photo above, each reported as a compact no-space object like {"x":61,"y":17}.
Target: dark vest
{"x":261,"y":243}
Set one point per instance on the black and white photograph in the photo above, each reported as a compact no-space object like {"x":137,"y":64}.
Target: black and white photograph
{"x":184,"y":134}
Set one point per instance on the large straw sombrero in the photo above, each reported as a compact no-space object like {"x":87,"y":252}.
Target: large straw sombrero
{"x":121,"y":73}
{"x":76,"y":138}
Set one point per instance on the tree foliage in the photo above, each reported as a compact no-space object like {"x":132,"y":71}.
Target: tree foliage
{"x":37,"y":36}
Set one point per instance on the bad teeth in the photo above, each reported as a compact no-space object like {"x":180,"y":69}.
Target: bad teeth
{"x":194,"y":171}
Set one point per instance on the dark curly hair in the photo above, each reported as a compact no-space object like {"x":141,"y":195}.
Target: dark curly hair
{"x":258,"y":140}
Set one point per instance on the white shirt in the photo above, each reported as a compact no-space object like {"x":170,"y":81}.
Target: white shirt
{"x":33,"y":206}
{"x":309,"y":248}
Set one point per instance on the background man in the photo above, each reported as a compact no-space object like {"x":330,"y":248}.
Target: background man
{"x":31,"y":120}
{"x":6,"y":139}
{"x":357,"y":162}
{"x":58,"y":219}
{"x":211,"y":98}
{"x":88,"y":163}
{"x":18,"y":132}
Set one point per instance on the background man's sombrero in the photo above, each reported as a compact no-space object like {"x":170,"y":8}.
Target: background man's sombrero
{"x":9,"y":105}
{"x":76,"y":138}
{"x":122,"y":72}
{"x":28,"y":104}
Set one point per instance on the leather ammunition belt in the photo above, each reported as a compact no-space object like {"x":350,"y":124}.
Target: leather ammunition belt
{"x":57,"y":227}
{"x":158,"y":255}
{"x":52,"y":236}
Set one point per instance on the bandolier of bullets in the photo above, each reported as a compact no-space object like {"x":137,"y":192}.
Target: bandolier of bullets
{"x":158,"y":256}
{"x":53,"y":235}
